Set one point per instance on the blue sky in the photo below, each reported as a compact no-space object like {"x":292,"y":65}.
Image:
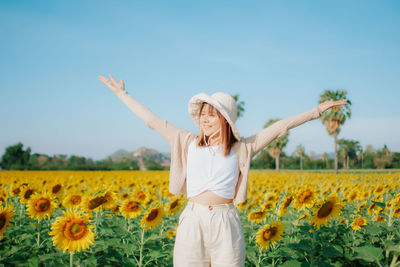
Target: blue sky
{"x":278,"y":55}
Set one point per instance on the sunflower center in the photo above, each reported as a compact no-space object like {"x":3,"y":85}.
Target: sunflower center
{"x":42,"y":205}
{"x":28,"y":193}
{"x":75,"y":229}
{"x":359,"y":221}
{"x":132,"y":206}
{"x":140,"y":195}
{"x":258,"y":214}
{"x":174,"y":204}
{"x":305,"y":196}
{"x":76,"y":199}
{"x":56,"y":188}
{"x":16,"y":191}
{"x":270,"y":233}
{"x":153,"y":214}
{"x":325,"y":210}
{"x":2,"y":220}
{"x":287,"y":202}
{"x":97,"y":201}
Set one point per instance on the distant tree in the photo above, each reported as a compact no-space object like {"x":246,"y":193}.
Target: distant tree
{"x":300,"y":153}
{"x":383,"y":158}
{"x":348,"y":150}
{"x":262,"y":161}
{"x":336,"y":116}
{"x":153,"y":165}
{"x":15,"y":158}
{"x":240,"y":106}
{"x":325,"y":158}
{"x":275,"y":147}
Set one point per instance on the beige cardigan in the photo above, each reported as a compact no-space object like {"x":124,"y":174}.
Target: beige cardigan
{"x":180,"y":139}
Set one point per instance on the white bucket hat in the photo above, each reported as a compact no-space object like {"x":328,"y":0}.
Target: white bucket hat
{"x":223,"y":102}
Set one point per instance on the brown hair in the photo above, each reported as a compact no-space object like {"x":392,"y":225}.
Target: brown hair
{"x":228,"y":139}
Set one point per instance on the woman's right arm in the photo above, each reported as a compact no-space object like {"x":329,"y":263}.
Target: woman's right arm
{"x":163,"y":127}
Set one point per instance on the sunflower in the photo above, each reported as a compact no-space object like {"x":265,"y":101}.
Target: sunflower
{"x":26,"y":194}
{"x":142,"y":195}
{"x":131,"y":208}
{"x":269,"y":205}
{"x":285,"y":204}
{"x":6,"y":214}
{"x":174,"y":205}
{"x":358,"y":222}
{"x":171,"y":233}
{"x":97,"y":202}
{"x":379,"y":218}
{"x":15,"y":191}
{"x":152,"y":217}
{"x":40,"y":206}
{"x":269,"y":234}
{"x":305,"y":198}
{"x":257,"y":215}
{"x":396,"y":212}
{"x":56,"y":189}
{"x":72,"y":232}
{"x":325,"y":211}
{"x":73,"y":199}
{"x":371,"y":208}
{"x":361,"y":207}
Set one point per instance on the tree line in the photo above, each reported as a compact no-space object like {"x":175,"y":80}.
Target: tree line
{"x":16,"y":158}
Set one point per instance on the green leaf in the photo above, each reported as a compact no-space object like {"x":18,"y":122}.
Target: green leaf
{"x":369,"y":253}
{"x":380,"y":204}
{"x":291,"y":263}
{"x":372,"y":229}
{"x":330,"y":252}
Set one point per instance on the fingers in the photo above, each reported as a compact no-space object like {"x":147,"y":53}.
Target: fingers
{"x":112,"y":79}
{"x":103,"y":79}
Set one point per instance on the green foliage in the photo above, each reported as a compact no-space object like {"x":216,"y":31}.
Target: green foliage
{"x":240,"y":106}
{"x":280,"y":142}
{"x":339,"y":114}
{"x":15,"y":158}
{"x":152,"y":165}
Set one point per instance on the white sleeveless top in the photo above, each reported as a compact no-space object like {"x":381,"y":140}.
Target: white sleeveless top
{"x":206,"y":171}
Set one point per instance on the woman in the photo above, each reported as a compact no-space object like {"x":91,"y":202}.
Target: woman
{"x":212,"y":170}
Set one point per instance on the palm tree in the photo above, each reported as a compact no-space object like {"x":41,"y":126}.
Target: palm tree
{"x":240,"y":106}
{"x":360,"y":156}
{"x":275,"y":147}
{"x":300,"y":152}
{"x":336,"y":116}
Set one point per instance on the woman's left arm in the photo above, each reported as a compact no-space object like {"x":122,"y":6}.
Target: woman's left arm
{"x":279,"y":128}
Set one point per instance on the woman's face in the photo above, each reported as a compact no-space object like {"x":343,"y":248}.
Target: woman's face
{"x":209,"y":120}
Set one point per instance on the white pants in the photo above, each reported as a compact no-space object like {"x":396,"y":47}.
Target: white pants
{"x":209,"y":235}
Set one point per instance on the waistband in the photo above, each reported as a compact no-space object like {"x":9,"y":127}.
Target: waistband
{"x":194,"y":205}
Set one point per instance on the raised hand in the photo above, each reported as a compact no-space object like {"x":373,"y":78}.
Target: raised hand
{"x":329,"y":104}
{"x":116,"y":87}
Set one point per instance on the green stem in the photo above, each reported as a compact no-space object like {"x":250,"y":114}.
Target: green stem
{"x":71,"y":255}
{"x":141,"y":248}
{"x":38,"y":233}
{"x":259,"y":256}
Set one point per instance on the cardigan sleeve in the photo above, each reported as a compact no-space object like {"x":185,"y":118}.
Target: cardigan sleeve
{"x":278,"y":129}
{"x":162,"y":126}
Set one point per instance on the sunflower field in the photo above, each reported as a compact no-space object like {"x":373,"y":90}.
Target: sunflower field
{"x":128,"y":218}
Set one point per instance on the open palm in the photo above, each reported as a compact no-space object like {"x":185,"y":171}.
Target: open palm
{"x":115,"y":86}
{"x":329,"y":104}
